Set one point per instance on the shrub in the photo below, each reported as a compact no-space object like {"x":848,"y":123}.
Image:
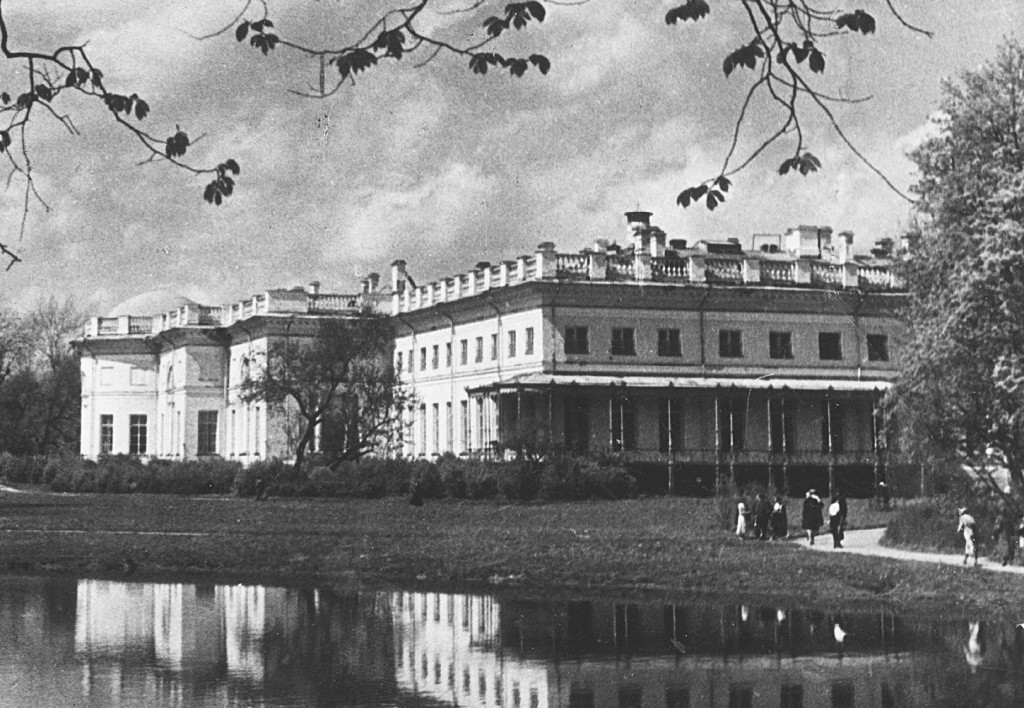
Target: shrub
{"x":571,"y":478}
{"x":453,"y":476}
{"x":518,"y":482}
{"x":122,"y":474}
{"x":425,"y":475}
{"x":930,"y":524}
{"x":22,"y":469}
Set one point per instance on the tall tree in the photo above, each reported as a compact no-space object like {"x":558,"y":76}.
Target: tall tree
{"x":339,"y":383}
{"x":961,"y":392}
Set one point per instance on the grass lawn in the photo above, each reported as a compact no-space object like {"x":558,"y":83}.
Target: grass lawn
{"x":664,"y":547}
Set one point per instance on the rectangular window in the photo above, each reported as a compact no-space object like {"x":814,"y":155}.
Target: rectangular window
{"x":623,"y":424}
{"x":464,"y":352}
{"x":832,"y":424}
{"x":435,"y":356}
{"x":423,"y":358}
{"x":511,"y":344}
{"x":479,"y":349}
{"x":670,"y":425}
{"x":780,"y":345}
{"x":878,"y":347}
{"x":448,"y":355}
{"x":137,"y":435}
{"x":623,"y":343}
{"x":138,"y":377}
{"x":731,"y":423}
{"x":421,"y":444}
{"x":106,"y":434}
{"x":577,"y":424}
{"x":576,"y":341}
{"x":494,"y":347}
{"x":464,"y":416}
{"x":436,"y":428}
{"x":412,"y":362}
{"x":529,"y":341}
{"x":449,"y":426}
{"x":207,"y":443}
{"x":830,"y":346}
{"x":398,"y":362}
{"x":730,"y":343}
{"x":668,"y":343}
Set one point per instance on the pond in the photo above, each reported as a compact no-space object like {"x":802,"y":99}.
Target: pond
{"x":66,"y":642}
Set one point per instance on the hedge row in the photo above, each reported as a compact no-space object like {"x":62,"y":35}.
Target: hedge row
{"x":561,"y":478}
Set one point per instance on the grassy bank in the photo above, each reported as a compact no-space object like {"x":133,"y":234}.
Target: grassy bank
{"x":670,"y":547}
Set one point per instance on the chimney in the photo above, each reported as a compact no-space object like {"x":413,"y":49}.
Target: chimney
{"x":364,"y":286}
{"x":844,"y":246}
{"x":398,"y":276}
{"x":677,"y":244}
{"x":374,"y":280}
{"x":601,"y":245}
{"x":314,"y":288}
{"x":483,"y":265}
{"x":638,"y":226}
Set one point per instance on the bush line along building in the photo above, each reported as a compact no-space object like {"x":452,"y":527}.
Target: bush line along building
{"x":696,"y":363}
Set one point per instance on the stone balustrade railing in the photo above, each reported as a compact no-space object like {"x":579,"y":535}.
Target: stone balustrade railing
{"x":688,"y":267}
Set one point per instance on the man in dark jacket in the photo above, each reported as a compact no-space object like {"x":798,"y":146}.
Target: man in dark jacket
{"x":811,"y":518}
{"x":1006,"y":526}
{"x":762,"y":512}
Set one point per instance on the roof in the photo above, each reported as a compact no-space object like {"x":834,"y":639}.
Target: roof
{"x":151,"y":302}
{"x":685,"y":382}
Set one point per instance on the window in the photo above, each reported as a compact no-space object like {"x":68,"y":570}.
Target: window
{"x":494,"y":347}
{"x":422,"y":442}
{"x":842,"y":695}
{"x":479,"y":349}
{"x":581,"y":697}
{"x":423,"y":358}
{"x":576,"y":340}
{"x":670,"y":425}
{"x":436,"y":429}
{"x":780,"y":345}
{"x":731,"y":423}
{"x":830,"y":346}
{"x":668,"y":343}
{"x":511,"y":344}
{"x":730,"y":343}
{"x":623,"y":343}
{"x":435,"y":358}
{"x":137,"y":435}
{"x":412,"y":362}
{"x":138,"y":377}
{"x":106,"y":434}
{"x":878,"y":347}
{"x":464,"y":415}
{"x":464,"y":352}
{"x":398,"y":362}
{"x":623,"y":424}
{"x":207,"y":443}
{"x":577,"y":424}
{"x":529,"y":340}
{"x":832,"y":415}
{"x":631,"y":696}
{"x":449,"y":425}
{"x":448,"y":355}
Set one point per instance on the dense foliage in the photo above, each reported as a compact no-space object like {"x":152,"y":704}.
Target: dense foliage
{"x":961,"y":393}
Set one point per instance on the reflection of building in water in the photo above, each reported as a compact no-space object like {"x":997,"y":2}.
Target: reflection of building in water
{"x":448,"y":647}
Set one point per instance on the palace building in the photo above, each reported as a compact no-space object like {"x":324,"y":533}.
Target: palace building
{"x":698,"y":363}
{"x":695,"y":363}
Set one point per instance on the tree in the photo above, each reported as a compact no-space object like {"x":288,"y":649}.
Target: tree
{"x":338,"y":382}
{"x":961,"y":391}
{"x":786,"y":47}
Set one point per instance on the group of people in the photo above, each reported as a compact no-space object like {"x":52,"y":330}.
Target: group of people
{"x":812,"y":519}
{"x":1008,"y":525}
{"x":764,"y":520}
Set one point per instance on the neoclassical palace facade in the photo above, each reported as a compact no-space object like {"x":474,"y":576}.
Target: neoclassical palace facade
{"x":765,"y":359}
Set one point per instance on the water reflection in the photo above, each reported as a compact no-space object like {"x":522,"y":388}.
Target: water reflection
{"x":104,"y":643}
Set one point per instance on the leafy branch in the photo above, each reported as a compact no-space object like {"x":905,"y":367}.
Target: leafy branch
{"x":787,"y":49}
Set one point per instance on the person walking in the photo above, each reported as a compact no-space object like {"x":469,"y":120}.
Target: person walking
{"x":1006,"y":526}
{"x":761,"y":512}
{"x":811,"y":517}
{"x":779,"y":520}
{"x":969,"y":528}
{"x":835,"y":521}
{"x":741,"y":519}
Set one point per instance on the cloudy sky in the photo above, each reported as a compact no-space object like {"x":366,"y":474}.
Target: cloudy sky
{"x":437,"y":165}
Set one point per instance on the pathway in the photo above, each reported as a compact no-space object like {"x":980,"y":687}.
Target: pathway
{"x":866,"y":542}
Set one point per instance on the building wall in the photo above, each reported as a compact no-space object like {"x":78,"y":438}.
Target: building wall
{"x":119,"y":385}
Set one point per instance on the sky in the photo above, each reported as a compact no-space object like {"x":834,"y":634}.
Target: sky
{"x":434,"y":164}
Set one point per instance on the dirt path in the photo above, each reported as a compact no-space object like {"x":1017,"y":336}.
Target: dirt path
{"x":866,"y":543}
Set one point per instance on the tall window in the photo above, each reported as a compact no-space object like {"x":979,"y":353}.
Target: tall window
{"x":448,"y":355}
{"x":106,"y":434}
{"x":137,"y":435}
{"x":731,"y":423}
{"x":623,"y":423}
{"x":576,"y":340}
{"x":511,"y":344}
{"x":479,"y":349}
{"x":730,"y":343}
{"x":670,"y":425}
{"x":398,"y":362}
{"x":412,"y":362}
{"x":436,"y":429}
{"x":464,"y":352}
{"x":422,"y":442}
{"x":494,"y":347}
{"x":529,"y":341}
{"x":668,"y":343}
{"x":435,"y":356}
{"x":466,"y":432}
{"x":449,"y":426}
{"x":830,"y":346}
{"x":423,"y":358}
{"x":207,"y":443}
{"x":623,"y":341}
{"x":780,"y":345}
{"x":878,"y":347}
